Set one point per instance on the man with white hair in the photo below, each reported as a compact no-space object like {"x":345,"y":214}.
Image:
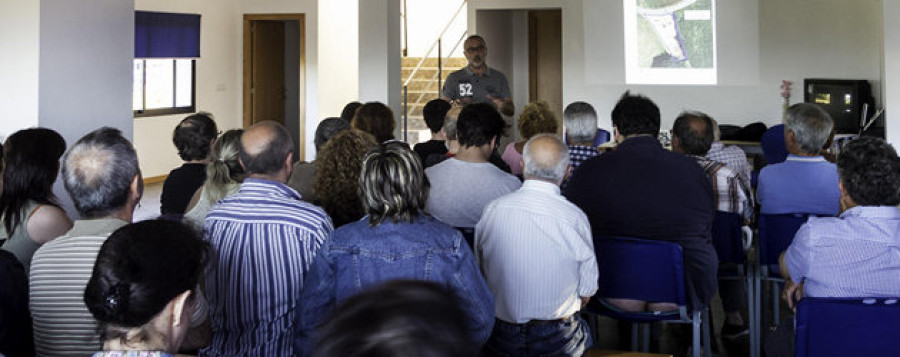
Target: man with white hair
{"x":580,"y":120}
{"x":805,"y":182}
{"x":537,"y":255}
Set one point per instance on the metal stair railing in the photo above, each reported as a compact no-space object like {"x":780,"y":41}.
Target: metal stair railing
{"x":436,"y":43}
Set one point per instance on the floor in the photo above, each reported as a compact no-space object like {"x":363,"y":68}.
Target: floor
{"x":149,"y":206}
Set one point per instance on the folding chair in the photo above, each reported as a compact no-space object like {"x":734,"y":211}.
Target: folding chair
{"x":732,"y":239}
{"x":646,"y":270}
{"x":847,"y":327}
{"x":776,"y":232}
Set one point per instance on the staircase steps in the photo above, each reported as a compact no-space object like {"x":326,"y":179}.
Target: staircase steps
{"x":419,"y":85}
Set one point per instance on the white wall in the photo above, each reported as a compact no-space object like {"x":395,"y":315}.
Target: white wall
{"x":379,"y":54}
{"x":218,"y":78}
{"x":891,"y":65}
{"x":86,"y":51}
{"x":19,"y":43}
{"x":759,"y":45}
{"x":338,"y":50}
{"x":427,"y":18}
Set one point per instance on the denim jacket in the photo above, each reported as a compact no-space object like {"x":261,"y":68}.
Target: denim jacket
{"x":358,"y":256}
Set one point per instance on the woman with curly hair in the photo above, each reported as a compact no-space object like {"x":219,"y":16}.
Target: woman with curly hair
{"x":29,"y":213}
{"x":536,"y":118}
{"x":224,"y":175}
{"x":375,"y":118}
{"x":337,"y":175}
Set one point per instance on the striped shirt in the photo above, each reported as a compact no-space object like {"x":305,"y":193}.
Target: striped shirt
{"x":854,"y":255}
{"x":537,"y":255}
{"x":733,"y":156}
{"x":731,"y":192}
{"x":264,"y":239}
{"x":60,"y":270}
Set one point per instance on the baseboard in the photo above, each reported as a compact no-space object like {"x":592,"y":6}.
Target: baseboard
{"x":155,"y":179}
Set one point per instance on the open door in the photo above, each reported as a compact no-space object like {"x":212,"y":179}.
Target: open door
{"x":274,"y":73}
{"x":545,"y":58}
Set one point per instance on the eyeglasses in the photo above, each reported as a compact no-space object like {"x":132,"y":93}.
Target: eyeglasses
{"x":476,"y":49}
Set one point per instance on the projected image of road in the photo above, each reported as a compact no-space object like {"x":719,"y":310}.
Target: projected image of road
{"x":670,"y":41}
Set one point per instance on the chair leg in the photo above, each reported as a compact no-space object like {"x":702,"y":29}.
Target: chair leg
{"x":706,"y":325}
{"x":751,"y":312}
{"x":645,"y":338}
{"x":776,"y":303}
{"x":634,"y":336}
{"x":695,"y":336}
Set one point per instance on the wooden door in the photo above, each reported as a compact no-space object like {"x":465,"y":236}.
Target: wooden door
{"x":267,"y":89}
{"x":545,"y":58}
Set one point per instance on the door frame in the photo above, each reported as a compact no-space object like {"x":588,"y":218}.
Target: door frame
{"x":248,"y":73}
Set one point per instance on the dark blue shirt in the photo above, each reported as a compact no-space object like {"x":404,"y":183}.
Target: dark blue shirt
{"x":644,"y":191}
{"x":358,"y":256}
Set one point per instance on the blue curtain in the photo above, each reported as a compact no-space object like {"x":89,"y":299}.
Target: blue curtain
{"x":166,"y":35}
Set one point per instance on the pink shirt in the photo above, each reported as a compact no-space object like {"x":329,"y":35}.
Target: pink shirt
{"x":513,"y":158}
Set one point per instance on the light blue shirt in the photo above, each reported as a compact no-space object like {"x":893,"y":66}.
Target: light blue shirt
{"x":854,"y":255}
{"x":800,"y":184}
{"x":264,"y":239}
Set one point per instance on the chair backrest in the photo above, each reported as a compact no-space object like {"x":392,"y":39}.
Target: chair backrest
{"x":727,"y":237}
{"x":847,"y":327}
{"x":776,"y":232}
{"x":602,"y":137}
{"x":469,"y":235}
{"x":773,"y":146}
{"x":640,"y":269}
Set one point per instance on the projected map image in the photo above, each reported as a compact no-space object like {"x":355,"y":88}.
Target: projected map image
{"x":670,"y":34}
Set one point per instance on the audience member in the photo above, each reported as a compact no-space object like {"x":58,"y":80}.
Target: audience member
{"x":855,"y":254}
{"x":224,"y":175}
{"x":692,"y":135}
{"x":303,"y":178}
{"x":396,"y":240}
{"x":192,"y":137}
{"x":537,"y":305}
{"x":264,"y":238}
{"x":434,"y":112}
{"x":349,"y":111}
{"x":773,"y":145}
{"x":452,"y":142}
{"x":732,"y":156}
{"x":16,"y":335}
{"x":101,"y":174}
{"x":30,"y":213}
{"x":143,"y":290}
{"x":805,"y":182}
{"x":337,"y":175}
{"x":377,"y":119}
{"x":642,"y":190}
{"x":478,"y":83}
{"x":580,"y":121}
{"x":397,"y":319}
{"x":536,"y":118}
{"x":463,"y":185}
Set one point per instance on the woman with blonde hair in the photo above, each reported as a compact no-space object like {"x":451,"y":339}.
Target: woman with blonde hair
{"x":337,"y":175}
{"x":224,"y":175}
{"x":536,"y":118}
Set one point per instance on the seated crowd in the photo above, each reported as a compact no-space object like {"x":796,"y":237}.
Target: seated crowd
{"x":450,"y":248}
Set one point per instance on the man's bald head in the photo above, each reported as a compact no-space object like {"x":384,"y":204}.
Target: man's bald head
{"x":264,"y":148}
{"x":546,"y":158}
{"x":692,"y":133}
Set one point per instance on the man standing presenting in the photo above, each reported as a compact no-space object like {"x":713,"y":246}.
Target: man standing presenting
{"x":536,"y":304}
{"x":477,"y":83}
{"x":264,"y":239}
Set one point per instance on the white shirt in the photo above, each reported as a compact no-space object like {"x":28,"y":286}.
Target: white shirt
{"x":536,"y":252}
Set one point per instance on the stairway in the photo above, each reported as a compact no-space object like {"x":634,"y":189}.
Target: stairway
{"x":419,"y":86}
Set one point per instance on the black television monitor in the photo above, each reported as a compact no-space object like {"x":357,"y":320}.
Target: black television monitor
{"x":843,"y":99}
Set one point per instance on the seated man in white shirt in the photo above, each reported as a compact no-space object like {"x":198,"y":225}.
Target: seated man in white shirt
{"x":537,"y":255}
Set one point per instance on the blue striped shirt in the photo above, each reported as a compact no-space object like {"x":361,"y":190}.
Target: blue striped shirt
{"x":264,"y":239}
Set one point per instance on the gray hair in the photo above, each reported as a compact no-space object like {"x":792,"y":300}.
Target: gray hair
{"x":392,"y":184}
{"x":811,"y":126}
{"x":546,"y":165}
{"x":327,"y":128}
{"x":450,"y":122}
{"x":580,"y":120}
{"x":98,"y":171}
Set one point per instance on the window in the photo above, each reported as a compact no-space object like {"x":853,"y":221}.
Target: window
{"x":163,"y":86}
{"x":166,"y":48}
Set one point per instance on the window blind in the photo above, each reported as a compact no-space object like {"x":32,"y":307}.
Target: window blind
{"x":166,"y":35}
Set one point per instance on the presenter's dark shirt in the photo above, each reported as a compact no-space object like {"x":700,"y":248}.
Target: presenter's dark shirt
{"x":643,"y":191}
{"x":180,"y":187}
